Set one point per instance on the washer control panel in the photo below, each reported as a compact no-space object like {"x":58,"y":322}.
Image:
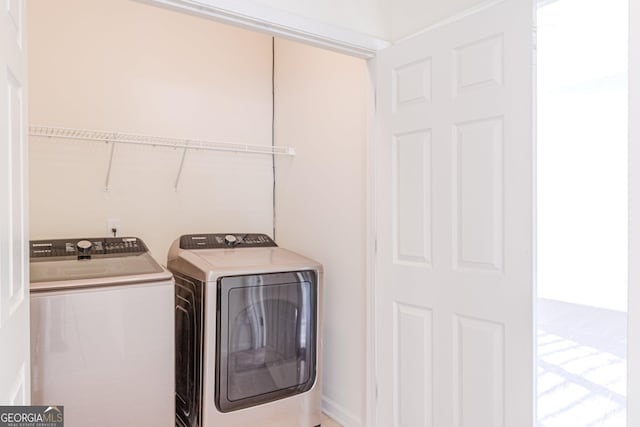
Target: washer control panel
{"x":86,"y":248}
{"x":225,"y":241}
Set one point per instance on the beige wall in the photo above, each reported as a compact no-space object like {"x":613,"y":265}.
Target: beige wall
{"x":122,"y":65}
{"x":320,"y":202}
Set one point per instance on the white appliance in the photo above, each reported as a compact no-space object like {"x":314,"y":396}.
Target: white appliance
{"x":248,"y":331}
{"x":102,"y":338}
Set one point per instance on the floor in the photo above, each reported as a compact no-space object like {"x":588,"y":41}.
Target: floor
{"x":581,"y":366}
{"x":328,"y":422}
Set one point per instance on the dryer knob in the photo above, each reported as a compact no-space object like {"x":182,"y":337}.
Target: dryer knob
{"x":84,"y":246}
{"x":230,"y":240}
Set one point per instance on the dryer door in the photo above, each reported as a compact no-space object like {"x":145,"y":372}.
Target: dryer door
{"x":266,"y":342}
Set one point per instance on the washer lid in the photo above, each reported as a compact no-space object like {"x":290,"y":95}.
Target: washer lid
{"x":59,"y":268}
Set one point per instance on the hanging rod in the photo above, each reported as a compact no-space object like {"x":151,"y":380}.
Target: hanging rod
{"x":156,"y":141}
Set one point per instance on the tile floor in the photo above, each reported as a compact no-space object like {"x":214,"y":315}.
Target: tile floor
{"x":328,"y":422}
{"x":581,"y":366}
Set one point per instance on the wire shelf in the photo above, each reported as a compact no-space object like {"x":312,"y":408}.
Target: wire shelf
{"x":156,"y":141}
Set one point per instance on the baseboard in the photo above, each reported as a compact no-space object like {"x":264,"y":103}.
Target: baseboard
{"x":339,"y":413}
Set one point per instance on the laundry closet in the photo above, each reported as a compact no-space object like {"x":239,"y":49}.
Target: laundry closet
{"x":124,"y":67}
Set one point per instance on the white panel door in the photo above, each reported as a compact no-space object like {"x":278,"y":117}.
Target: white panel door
{"x":14,"y":261}
{"x":633,"y":358}
{"x":454,"y":207}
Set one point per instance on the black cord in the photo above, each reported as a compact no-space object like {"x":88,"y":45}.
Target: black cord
{"x":273,"y":120}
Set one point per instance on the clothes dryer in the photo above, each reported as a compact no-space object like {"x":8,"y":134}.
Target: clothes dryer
{"x":248,"y":334}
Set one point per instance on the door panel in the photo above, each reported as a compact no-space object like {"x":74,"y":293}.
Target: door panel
{"x":454,"y":207}
{"x":413,"y":365}
{"x":478,"y":194}
{"x":412,"y":191}
{"x":14,"y":279}
{"x":478,"y":370}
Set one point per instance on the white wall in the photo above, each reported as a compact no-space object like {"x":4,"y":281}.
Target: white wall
{"x":127,"y":66}
{"x":367,"y":24}
{"x":582,"y":170}
{"x":410,"y":16}
{"x":369,"y":17}
{"x":366,"y":17}
{"x":385,"y":19}
{"x":320,"y":202}
{"x":389,"y":20}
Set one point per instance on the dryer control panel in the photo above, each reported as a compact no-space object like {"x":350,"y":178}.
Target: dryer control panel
{"x":225,"y":241}
{"x":86,"y":248}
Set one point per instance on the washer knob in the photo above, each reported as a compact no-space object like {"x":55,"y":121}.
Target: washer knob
{"x":230,"y":240}
{"x":84,"y":246}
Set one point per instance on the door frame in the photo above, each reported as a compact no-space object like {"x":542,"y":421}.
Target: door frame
{"x":633,"y":298}
{"x":15,"y":385}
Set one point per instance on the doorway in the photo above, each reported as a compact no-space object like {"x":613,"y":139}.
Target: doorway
{"x":582,"y":213}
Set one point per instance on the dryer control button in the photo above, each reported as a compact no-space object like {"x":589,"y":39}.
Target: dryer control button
{"x":84,"y":246}
{"x":230,"y":240}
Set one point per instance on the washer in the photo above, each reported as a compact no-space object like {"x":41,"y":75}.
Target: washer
{"x":248,"y":330}
{"x":102,"y":337}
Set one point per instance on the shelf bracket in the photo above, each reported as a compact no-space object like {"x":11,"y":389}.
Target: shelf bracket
{"x":184,"y":154}
{"x":108,"y":178}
